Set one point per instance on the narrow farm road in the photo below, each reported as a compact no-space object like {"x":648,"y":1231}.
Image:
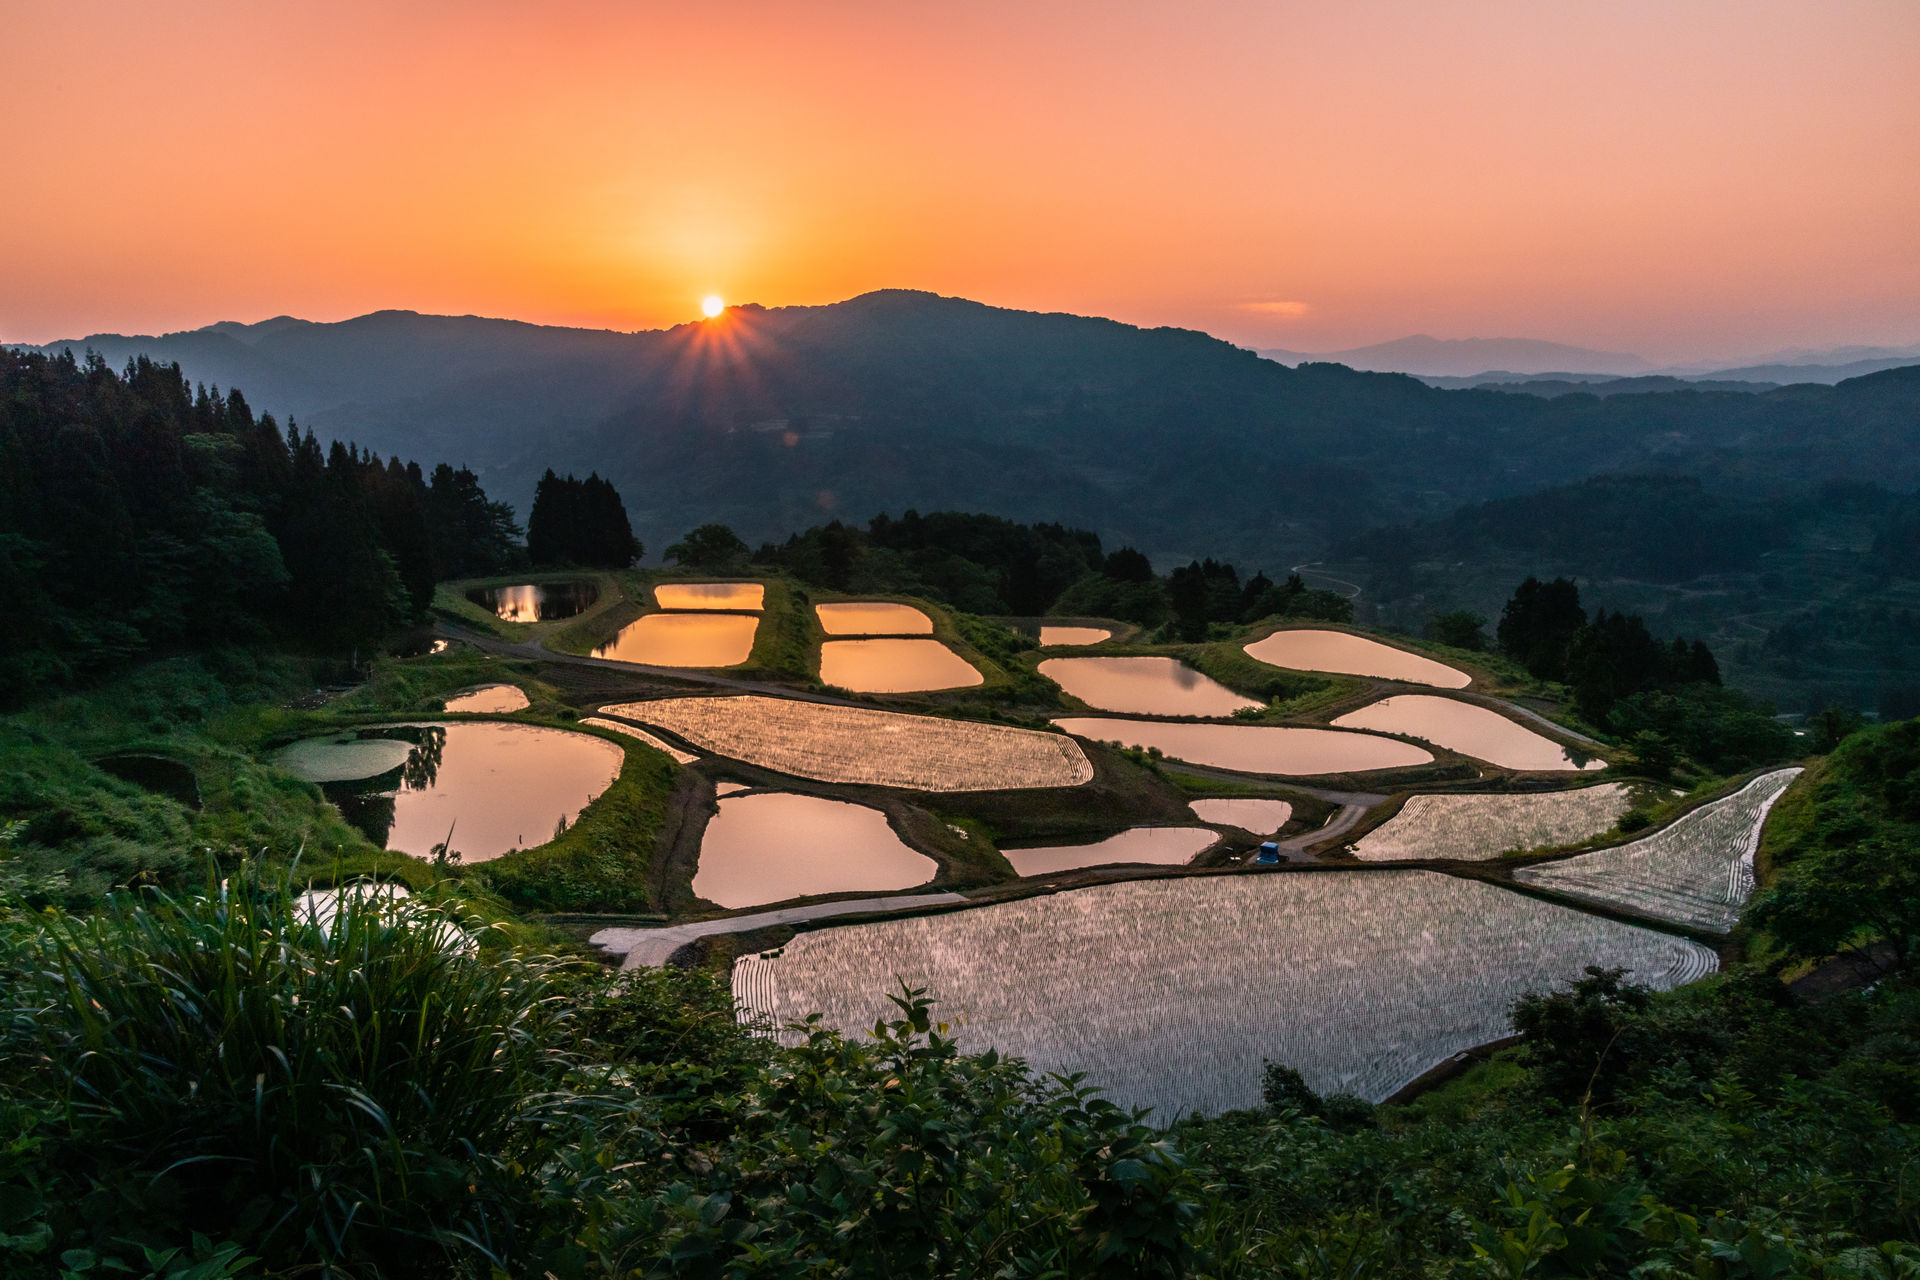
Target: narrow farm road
{"x":651,"y":947}
{"x":1343,"y":821}
{"x":1308,"y":571}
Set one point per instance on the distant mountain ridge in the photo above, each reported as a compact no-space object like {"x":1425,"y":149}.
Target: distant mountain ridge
{"x":1463,"y":357}
{"x":772,"y":420}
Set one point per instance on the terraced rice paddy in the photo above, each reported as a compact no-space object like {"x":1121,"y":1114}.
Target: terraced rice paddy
{"x":497,"y":699}
{"x":1307,"y":649}
{"x":1249,"y":813}
{"x":1485,"y":826}
{"x":343,"y":757}
{"x":1143,"y":686}
{"x":1466,"y":728}
{"x":872,"y":618}
{"x":772,"y":846}
{"x":711,"y":595}
{"x":1169,"y":993}
{"x":641,"y":735}
{"x":1697,"y":872}
{"x":684,"y":640}
{"x":873,"y":748}
{"x":1073,"y":635}
{"x":1155,"y":846}
{"x":529,"y":602}
{"x":1247,"y":748}
{"x":894,"y":666}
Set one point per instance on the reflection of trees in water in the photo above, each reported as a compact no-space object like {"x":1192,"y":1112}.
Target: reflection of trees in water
{"x":371,"y":812}
{"x":423,"y":765}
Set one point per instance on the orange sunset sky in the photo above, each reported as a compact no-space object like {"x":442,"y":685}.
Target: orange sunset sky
{"x":1681,"y":179}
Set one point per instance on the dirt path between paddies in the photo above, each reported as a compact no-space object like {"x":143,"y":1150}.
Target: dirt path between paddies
{"x":651,"y":947}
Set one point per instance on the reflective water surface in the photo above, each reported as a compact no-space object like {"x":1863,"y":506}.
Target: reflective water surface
{"x":772,"y":846}
{"x":1470,"y":730}
{"x":710,"y":595}
{"x":484,"y":789}
{"x":1074,"y":635}
{"x":1161,"y":846}
{"x":536,"y":603}
{"x":1249,"y":813}
{"x":497,"y":699}
{"x":1251,"y":748}
{"x":894,"y":666}
{"x":1143,"y":686}
{"x":684,"y":640}
{"x":1305,"y":649}
{"x":872,"y":618}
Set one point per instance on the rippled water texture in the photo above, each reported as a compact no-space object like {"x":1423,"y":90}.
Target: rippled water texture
{"x":710,"y":595}
{"x":1143,"y":686}
{"x":1169,"y":993}
{"x":894,"y":666}
{"x":1254,"y":748}
{"x":684,"y":640}
{"x":1161,"y":846}
{"x":772,"y":846}
{"x":1336,"y":651}
{"x":872,"y":618}
{"x":1463,"y":727}
{"x":542,"y":603}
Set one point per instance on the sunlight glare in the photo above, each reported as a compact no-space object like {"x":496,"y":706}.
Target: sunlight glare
{"x":712,"y":305}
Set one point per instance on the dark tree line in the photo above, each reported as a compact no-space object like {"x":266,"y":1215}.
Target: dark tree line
{"x":139,"y":514}
{"x":1207,"y":591}
{"x":580,"y":522}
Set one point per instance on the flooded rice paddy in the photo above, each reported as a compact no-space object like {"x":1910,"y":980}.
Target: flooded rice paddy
{"x":497,"y":699}
{"x":1143,"y":686}
{"x":484,"y":789}
{"x":875,"y":748}
{"x":162,"y":775}
{"x":1158,"y":846}
{"x":1169,"y":993}
{"x":894,"y":666}
{"x":342,"y":757}
{"x":684,"y":640}
{"x":1247,"y":748}
{"x":750,"y":596}
{"x":1463,"y":727}
{"x":543,"y":602}
{"x":1249,"y":813}
{"x":1305,"y":649}
{"x":772,"y":846}
{"x":872,"y":618}
{"x":641,"y":735}
{"x":1698,"y":871}
{"x":1073,"y":635}
{"x":1486,"y":826}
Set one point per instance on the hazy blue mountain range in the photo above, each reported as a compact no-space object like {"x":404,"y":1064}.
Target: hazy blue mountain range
{"x":1464,"y":357}
{"x":1180,"y":443}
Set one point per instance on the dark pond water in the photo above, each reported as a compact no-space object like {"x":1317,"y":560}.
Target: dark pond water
{"x":536,"y":603}
{"x":158,"y":774}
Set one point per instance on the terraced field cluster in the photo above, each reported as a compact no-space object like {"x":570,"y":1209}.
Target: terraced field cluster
{"x":1696,"y":872}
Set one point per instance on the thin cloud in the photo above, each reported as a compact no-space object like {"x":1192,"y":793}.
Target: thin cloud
{"x":1277,"y":308}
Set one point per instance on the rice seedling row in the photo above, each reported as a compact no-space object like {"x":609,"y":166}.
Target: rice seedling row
{"x":872,"y":748}
{"x":1486,"y":826}
{"x":1169,"y":993}
{"x":1696,"y":872}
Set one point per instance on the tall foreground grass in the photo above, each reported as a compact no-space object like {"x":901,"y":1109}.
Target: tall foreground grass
{"x":356,"y":1095}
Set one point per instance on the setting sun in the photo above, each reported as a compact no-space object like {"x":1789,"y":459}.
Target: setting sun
{"x":713,"y":305}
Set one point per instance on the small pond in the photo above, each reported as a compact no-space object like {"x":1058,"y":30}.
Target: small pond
{"x":1463,"y":727}
{"x":894,"y":666}
{"x":496,"y":699}
{"x":772,"y":846}
{"x":494,"y":787}
{"x":1159,"y":846}
{"x":1073,"y":635}
{"x":541,"y":602}
{"x":1143,"y":686}
{"x":711,"y":595}
{"x":1305,"y":649}
{"x":1249,"y":813}
{"x":1168,"y":993}
{"x":684,"y":640}
{"x":872,"y":618}
{"x":1249,"y":748}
